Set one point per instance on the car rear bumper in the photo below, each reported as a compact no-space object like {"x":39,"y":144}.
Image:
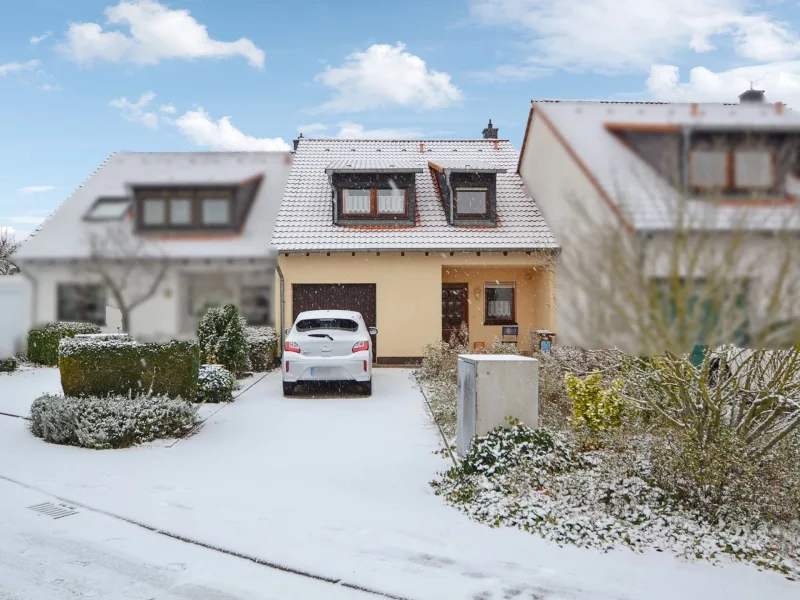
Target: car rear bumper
{"x":318,"y":368}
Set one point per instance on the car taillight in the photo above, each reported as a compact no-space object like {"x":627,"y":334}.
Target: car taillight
{"x":291,"y":347}
{"x":360,"y":346}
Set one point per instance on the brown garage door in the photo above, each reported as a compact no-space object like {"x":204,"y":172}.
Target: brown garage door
{"x":359,"y":297}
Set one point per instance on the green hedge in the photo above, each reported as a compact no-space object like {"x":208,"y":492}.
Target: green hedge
{"x":118,"y":366}
{"x":43,"y":341}
{"x":8,"y":364}
{"x":263,"y":348}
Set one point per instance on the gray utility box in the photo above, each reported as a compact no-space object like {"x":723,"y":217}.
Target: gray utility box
{"x":492,"y":387}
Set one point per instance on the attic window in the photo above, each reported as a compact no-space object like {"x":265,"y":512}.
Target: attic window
{"x":374,"y":202}
{"x":754,"y":169}
{"x":108,"y":209}
{"x":471,"y":201}
{"x":709,"y":169}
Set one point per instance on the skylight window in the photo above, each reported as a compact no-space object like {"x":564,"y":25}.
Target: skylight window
{"x":108,"y":209}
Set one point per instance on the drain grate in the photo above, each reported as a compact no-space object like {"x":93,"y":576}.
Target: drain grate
{"x":56,"y":511}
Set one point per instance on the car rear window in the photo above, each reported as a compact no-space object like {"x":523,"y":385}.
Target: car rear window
{"x":311,"y":324}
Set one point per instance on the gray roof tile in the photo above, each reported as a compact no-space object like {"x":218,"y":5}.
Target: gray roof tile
{"x":305,"y":221}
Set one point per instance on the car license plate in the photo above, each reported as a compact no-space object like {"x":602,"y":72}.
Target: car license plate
{"x":321,"y":371}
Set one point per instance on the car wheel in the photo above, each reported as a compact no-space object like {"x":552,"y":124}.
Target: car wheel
{"x":288,"y":388}
{"x":366,"y":388}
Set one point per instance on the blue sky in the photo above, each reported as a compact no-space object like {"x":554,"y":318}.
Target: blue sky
{"x":80,"y":80}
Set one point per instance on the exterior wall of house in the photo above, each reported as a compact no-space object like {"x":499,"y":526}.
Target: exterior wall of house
{"x":166,"y":314}
{"x":409,"y":290}
{"x":576,"y":214}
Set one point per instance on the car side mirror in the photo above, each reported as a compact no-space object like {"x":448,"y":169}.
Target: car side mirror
{"x":372,"y":330}
{"x":288,"y":330}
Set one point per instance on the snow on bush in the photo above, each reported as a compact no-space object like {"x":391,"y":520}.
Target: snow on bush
{"x":7,"y":365}
{"x":215,"y":384}
{"x":537,"y":481}
{"x":109,"y":422}
{"x":263,"y":348}
{"x":221,"y":333}
{"x":43,"y":341}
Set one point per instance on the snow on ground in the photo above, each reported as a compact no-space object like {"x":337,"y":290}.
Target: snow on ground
{"x":20,"y":388}
{"x":339,"y":486}
{"x":87,"y":555}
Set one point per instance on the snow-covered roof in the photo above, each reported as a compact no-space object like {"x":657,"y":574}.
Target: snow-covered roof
{"x":369,"y":166}
{"x":647,"y":201}
{"x":305,"y":221}
{"x":475,"y":166}
{"x":66,"y":235}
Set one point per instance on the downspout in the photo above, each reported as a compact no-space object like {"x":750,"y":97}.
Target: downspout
{"x":282,"y":303}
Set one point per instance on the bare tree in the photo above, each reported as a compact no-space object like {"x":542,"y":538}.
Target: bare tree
{"x":130,"y":267}
{"x":8,"y":245}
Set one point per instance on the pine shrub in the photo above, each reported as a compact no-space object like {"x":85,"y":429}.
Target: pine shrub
{"x":221,"y":333}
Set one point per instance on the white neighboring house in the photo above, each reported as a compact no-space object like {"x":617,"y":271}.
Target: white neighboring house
{"x":638,"y":167}
{"x":193,"y":228}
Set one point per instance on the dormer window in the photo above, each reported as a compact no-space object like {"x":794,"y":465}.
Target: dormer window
{"x":754,"y":169}
{"x":472,"y":201}
{"x":367,"y":192}
{"x":221,"y":208}
{"x":735,"y":170}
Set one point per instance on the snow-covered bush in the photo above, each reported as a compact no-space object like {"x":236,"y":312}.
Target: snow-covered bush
{"x":8,"y":364}
{"x":120,"y":366}
{"x":43,"y":341}
{"x":536,"y":480}
{"x":215,"y":384}
{"x":221,"y":333}
{"x":263,"y":348}
{"x":595,"y":407}
{"x":109,"y":422}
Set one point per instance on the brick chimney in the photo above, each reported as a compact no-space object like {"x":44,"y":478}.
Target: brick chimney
{"x":297,"y":141}
{"x":490,"y":133}
{"x":751,"y":96}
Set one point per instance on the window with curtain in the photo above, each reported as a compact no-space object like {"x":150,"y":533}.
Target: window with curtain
{"x":392,"y":201}
{"x":709,"y":168}
{"x":81,"y":302}
{"x":356,"y":202}
{"x":500,"y":303}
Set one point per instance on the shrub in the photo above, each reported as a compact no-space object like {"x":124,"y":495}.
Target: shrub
{"x":110,"y":422}
{"x":43,"y":341}
{"x":118,"y":366}
{"x":263,"y":347}
{"x":595,"y":407}
{"x":8,"y":364}
{"x":221,"y":333}
{"x":215,"y":384}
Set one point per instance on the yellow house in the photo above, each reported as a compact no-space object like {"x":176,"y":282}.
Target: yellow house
{"x":421,"y":237}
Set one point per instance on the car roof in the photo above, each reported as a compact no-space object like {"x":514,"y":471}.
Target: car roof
{"x":329,"y":314}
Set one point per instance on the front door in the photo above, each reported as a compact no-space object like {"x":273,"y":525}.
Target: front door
{"x":455,"y":309}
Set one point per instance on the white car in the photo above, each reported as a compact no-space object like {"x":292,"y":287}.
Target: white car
{"x":328,"y":345}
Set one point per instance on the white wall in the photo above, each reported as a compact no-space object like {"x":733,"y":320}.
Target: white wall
{"x":14,"y":314}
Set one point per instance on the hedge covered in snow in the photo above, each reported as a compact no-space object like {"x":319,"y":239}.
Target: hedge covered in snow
{"x":8,"y":364}
{"x":215,"y":384}
{"x":263,"y":348}
{"x":110,"y":422}
{"x":118,"y":365}
{"x":537,"y":480}
{"x":43,"y":341}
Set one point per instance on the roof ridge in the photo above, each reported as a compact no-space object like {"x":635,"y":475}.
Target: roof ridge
{"x":65,"y":200}
{"x":410,"y":141}
{"x":654,"y":102}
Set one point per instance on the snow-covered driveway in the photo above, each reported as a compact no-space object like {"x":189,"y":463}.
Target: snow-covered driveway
{"x":339,"y":487}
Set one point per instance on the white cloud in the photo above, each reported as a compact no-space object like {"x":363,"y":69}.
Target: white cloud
{"x":35,"y":39}
{"x":199,"y":127}
{"x":780,"y":80}
{"x":387,"y":75}
{"x":49,"y":87}
{"x":36,"y":189}
{"x":350,"y":130}
{"x":17,"y":67}
{"x":615,"y":36}
{"x":136,"y":111}
{"x":311,"y":128}
{"x":155,"y":33}
{"x":17,"y":234}
{"x":167,"y":109}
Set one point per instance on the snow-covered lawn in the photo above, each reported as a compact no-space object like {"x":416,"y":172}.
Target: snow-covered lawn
{"x":19,"y":389}
{"x":339,"y":486}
